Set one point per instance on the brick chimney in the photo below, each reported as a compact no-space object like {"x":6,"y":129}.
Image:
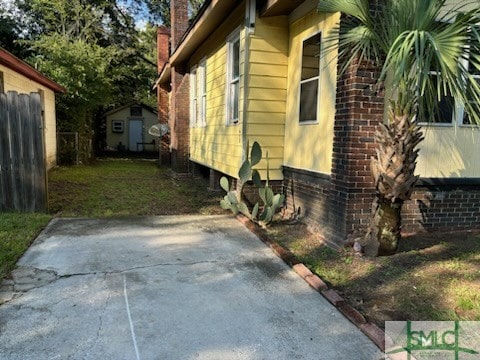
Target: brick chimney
{"x":179,"y":121}
{"x":163,"y":53}
{"x":163,"y":46}
{"x":178,"y":20}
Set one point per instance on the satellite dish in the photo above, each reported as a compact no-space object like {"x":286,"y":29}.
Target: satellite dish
{"x":159,"y":130}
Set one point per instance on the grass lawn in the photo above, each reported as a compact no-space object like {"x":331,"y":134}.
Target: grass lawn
{"x":432,"y":277}
{"x":125,"y":188}
{"x":108,"y":188}
{"x":17,"y":232}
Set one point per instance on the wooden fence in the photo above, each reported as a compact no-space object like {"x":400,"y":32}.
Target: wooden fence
{"x":23,"y":175}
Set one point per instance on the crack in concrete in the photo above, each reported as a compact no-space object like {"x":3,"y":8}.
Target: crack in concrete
{"x":28,"y":278}
{"x":137,"y":268}
{"x":100,"y":318}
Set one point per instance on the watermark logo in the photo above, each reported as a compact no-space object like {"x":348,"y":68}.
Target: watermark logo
{"x":438,"y":340}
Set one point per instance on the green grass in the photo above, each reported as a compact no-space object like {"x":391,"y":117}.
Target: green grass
{"x":432,"y":277}
{"x":107,"y":188}
{"x":17,"y":231}
{"x":126,"y":188}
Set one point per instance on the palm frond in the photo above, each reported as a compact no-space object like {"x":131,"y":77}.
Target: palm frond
{"x":420,"y":45}
{"x":359,"y":9}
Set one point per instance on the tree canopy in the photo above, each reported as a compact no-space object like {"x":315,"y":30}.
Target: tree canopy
{"x":91,"y":47}
{"x":94,"y":48}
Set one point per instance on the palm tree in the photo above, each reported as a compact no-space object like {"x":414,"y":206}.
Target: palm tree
{"x":427,"y":54}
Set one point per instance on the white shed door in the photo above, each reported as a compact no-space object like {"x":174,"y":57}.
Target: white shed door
{"x":135,"y":135}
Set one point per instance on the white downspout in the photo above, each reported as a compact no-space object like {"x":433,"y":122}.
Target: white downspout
{"x":250,"y":17}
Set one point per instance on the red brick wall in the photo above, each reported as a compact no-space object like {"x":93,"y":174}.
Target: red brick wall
{"x":163,"y":53}
{"x":179,"y":20}
{"x":179,"y":120}
{"x":438,"y":208}
{"x":180,"y":92}
{"x":163,"y":47}
{"x":250,"y":191}
{"x":359,"y":109}
{"x":307,"y":195}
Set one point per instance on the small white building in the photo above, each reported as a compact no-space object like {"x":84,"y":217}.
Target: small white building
{"x":127,"y":128}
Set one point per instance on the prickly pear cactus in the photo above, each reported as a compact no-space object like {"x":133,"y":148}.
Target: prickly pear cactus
{"x":234,"y":202}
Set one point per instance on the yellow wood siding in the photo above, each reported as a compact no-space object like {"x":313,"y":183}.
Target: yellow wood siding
{"x":449,"y":152}
{"x":14,"y":81}
{"x":309,"y":146}
{"x":267,"y":91}
{"x":218,"y":145}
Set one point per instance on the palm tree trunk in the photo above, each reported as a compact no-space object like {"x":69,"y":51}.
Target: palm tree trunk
{"x":393,"y":170}
{"x":385,"y":227}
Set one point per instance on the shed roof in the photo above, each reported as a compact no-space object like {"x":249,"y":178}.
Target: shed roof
{"x":145,"y":106}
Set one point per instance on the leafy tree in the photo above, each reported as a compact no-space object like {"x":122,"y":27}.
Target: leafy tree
{"x":11,"y":30}
{"x":93,"y":49}
{"x":422,"y":49}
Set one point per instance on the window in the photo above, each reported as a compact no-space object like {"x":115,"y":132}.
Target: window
{"x":198,"y":95}
{"x":2,"y":83}
{"x":193,"y":97}
{"x":202,"y":92}
{"x":472,"y":63}
{"x":445,"y":108}
{"x":233,"y":77}
{"x":310,"y":79}
{"x":447,"y":111}
{"x":136,"y":111}
{"x":117,"y":126}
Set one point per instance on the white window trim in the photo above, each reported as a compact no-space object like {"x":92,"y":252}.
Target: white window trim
{"x":117,"y":126}
{"x":202,"y":92}
{"x":317,"y":78}
{"x":193,"y":96}
{"x":231,"y":39}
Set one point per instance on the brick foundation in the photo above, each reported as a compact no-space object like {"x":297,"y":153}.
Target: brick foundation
{"x":250,"y":191}
{"x":214,"y":180}
{"x":442,"y":206}
{"x":436,"y":204}
{"x":307,"y":195}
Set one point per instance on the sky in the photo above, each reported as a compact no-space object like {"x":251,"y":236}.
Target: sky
{"x":141,"y":15}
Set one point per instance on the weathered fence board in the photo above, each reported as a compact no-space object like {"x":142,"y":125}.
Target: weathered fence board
{"x":23,"y":182}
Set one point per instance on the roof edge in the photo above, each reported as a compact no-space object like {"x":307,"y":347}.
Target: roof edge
{"x":12,"y":62}
{"x":117,"y":109}
{"x":211,"y":10}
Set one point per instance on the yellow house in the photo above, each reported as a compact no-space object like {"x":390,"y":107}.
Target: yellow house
{"x":16,"y":75}
{"x":127,"y":128}
{"x":257,"y":70}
